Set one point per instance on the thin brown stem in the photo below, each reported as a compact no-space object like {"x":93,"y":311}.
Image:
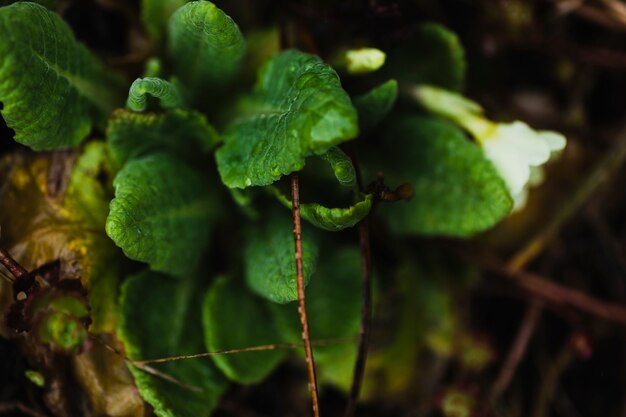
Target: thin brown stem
{"x":366,"y":299}
{"x":603,"y":171}
{"x":550,"y":381}
{"x":260,"y":348}
{"x":516,"y":353}
{"x":306,"y":337}
{"x":12,"y":407}
{"x":366,"y":316}
{"x":11,"y":264}
{"x":552,"y":292}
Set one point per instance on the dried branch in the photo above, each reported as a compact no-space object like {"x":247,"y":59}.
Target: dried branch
{"x":11,"y":265}
{"x":306,"y":337}
{"x":366,"y":316}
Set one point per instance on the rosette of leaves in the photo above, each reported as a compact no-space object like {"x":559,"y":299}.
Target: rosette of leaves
{"x":158,"y":189}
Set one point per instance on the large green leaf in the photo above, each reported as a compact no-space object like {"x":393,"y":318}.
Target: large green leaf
{"x":433,"y":55}
{"x":270,"y":262}
{"x":456,"y":189}
{"x":182,"y":132}
{"x":298,"y":109}
{"x":333,"y":301}
{"x":233,"y":319}
{"x":205,"y":45}
{"x":52,"y":88}
{"x":376,"y":104}
{"x":161,"y":214}
{"x":159,"y":318}
{"x":156,"y":14}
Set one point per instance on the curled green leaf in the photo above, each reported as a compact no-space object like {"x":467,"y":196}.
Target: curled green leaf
{"x":331,"y":219}
{"x":167,"y":93}
{"x":342,"y":166}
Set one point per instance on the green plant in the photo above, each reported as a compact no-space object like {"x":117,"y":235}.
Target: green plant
{"x":196,"y":165}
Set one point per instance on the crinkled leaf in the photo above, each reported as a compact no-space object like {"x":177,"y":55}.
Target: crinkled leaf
{"x":160,"y":318}
{"x":341,"y":165}
{"x":39,"y":227}
{"x":456,"y":189}
{"x":376,"y":104}
{"x":52,"y":88}
{"x":433,"y":55}
{"x":331,"y":219}
{"x":333,"y":301}
{"x":166,"y":92}
{"x":269,"y":259}
{"x":182,"y":132}
{"x":205,"y":45}
{"x":162,"y":214}
{"x":155,"y":15}
{"x":234,"y":318}
{"x":298,"y":109}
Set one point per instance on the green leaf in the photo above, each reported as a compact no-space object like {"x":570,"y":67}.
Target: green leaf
{"x":270,"y":262}
{"x":155,"y":15}
{"x":333,"y":302}
{"x":160,"y":318}
{"x":181,"y":132}
{"x":167,"y":93}
{"x":298,"y":109}
{"x":433,"y":55}
{"x":341,"y":165}
{"x":456,"y":189}
{"x":162,"y":214}
{"x":205,"y":45}
{"x":52,"y":88}
{"x":233,"y":318}
{"x":376,"y":104}
{"x":331,"y":219}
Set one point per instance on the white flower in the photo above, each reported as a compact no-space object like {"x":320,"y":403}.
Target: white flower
{"x":516,"y":150}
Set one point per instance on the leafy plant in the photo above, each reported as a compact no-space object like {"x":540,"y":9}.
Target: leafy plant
{"x":191,"y":180}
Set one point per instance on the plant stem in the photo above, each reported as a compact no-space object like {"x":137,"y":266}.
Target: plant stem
{"x":550,"y":381}
{"x":306,"y":337}
{"x":366,"y":300}
{"x":366,"y":316}
{"x":11,"y":264}
{"x":516,"y":353}
{"x":558,"y":294}
{"x":603,"y":171}
{"x":260,"y":348}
